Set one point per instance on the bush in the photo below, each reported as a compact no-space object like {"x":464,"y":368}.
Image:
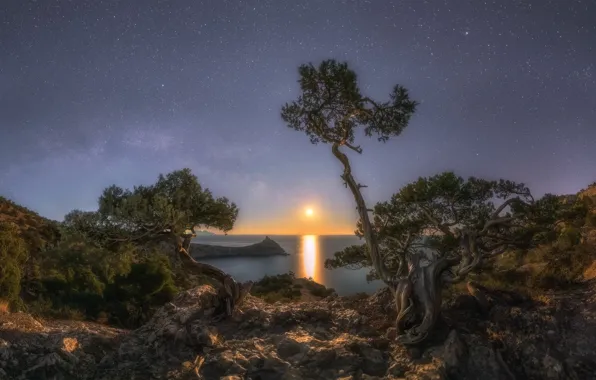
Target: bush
{"x":552,"y":266}
{"x":569,"y":238}
{"x":284,"y":288}
{"x":319,"y":290}
{"x":276,"y":288}
{"x":13,"y":255}
{"x":78,"y":280}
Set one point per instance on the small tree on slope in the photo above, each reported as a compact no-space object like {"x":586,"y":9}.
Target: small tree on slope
{"x":453,"y":219}
{"x":168,"y":210}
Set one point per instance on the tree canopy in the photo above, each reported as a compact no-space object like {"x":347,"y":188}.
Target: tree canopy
{"x":331,"y":107}
{"x":434,"y":213}
{"x":175,"y":203}
{"x":168,"y":210}
{"x":116,"y":263}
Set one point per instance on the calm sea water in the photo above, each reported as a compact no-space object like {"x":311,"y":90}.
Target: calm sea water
{"x":306,"y":259}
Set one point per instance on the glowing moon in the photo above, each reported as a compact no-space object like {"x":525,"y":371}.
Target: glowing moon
{"x":309,"y":212}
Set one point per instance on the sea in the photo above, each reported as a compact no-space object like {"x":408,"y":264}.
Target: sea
{"x":306,"y":258}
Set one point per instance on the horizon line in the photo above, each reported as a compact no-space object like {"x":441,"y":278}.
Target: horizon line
{"x":269,"y":234}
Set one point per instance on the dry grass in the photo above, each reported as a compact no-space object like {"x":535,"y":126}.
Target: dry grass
{"x":4,"y":309}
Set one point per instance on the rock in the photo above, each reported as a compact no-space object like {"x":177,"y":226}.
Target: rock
{"x":554,"y":369}
{"x":374,"y":363}
{"x":454,"y":354}
{"x":289,"y":347}
{"x":397,"y":370}
{"x":324,"y":357}
{"x":332,"y":338}
{"x":391,"y":333}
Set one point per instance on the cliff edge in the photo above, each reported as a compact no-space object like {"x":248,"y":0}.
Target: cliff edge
{"x":333,"y":338}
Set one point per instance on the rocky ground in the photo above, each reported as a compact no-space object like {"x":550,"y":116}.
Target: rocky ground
{"x":509,"y":337}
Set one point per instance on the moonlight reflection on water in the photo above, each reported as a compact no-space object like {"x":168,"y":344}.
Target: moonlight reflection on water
{"x":310,"y":254}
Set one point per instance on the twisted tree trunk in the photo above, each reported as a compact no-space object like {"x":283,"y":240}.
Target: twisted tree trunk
{"x":232,"y":293}
{"x":418,"y":298}
{"x":418,"y":294}
{"x":369,"y":235}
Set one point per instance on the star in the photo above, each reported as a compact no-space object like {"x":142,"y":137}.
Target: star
{"x":509,"y":80}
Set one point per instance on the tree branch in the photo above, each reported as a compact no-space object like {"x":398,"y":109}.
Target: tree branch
{"x":435,"y":221}
{"x":369,"y":234}
{"x":495,"y":222}
{"x":502,"y":207}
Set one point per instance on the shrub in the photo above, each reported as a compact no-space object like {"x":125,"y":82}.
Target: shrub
{"x":276,"y":288}
{"x":284,"y":288}
{"x":318,"y":290}
{"x":13,"y":255}
{"x":569,"y":238}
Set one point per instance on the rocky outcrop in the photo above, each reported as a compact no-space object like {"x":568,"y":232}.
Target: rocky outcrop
{"x":510,"y":337}
{"x":267,"y":247}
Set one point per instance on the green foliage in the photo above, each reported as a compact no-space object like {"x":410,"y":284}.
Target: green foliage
{"x":545,"y":267}
{"x":568,"y":238}
{"x":13,"y":255}
{"x":109,"y":265}
{"x":331,"y":106}
{"x":560,"y":258}
{"x":319,"y":290}
{"x":353,"y":257}
{"x":285,"y":288}
{"x":133,"y":297}
{"x":423,"y":214}
{"x":276,"y":288}
{"x":83,"y":281}
{"x":175,"y":203}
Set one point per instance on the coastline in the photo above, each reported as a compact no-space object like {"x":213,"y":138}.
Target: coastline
{"x":267,"y":247}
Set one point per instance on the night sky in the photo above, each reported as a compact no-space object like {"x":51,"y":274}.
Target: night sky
{"x":94,"y":93}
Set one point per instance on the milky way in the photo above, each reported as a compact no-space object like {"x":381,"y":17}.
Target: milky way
{"x":100,"y":92}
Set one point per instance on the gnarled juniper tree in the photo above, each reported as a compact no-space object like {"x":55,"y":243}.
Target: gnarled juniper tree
{"x":437,"y":230}
{"x":434,"y":231}
{"x":331,"y":109}
{"x":168,"y":210}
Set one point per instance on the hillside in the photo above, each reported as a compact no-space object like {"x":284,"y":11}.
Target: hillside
{"x":588,"y":195}
{"x":37,"y":231}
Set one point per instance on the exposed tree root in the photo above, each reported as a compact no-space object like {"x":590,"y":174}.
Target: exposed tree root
{"x":232,"y":293}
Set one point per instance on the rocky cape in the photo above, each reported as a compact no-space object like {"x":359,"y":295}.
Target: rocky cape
{"x":267,"y":247}
{"x":503,"y":337}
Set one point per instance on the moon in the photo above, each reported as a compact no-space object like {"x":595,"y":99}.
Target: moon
{"x":309,"y":212}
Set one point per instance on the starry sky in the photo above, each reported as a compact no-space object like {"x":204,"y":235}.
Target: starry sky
{"x":97,"y":92}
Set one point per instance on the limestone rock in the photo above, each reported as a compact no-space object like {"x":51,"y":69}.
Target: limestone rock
{"x":334,"y":338}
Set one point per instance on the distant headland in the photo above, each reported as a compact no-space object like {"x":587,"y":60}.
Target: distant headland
{"x":204,"y":233}
{"x":267,"y":247}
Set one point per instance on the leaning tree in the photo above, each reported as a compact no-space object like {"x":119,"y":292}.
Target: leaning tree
{"x":167,"y":211}
{"x":433,"y":232}
{"x":331,"y":109}
{"x":437,"y":230}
